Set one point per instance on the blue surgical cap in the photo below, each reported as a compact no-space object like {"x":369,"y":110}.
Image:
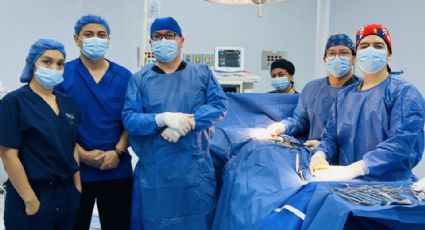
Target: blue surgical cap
{"x":87,"y":19}
{"x":340,"y":39}
{"x":36,"y":50}
{"x":166,"y":24}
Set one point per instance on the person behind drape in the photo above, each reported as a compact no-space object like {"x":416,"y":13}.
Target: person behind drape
{"x":282,"y":73}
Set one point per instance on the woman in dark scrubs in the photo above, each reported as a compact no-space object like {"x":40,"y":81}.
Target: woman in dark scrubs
{"x":37,"y":145}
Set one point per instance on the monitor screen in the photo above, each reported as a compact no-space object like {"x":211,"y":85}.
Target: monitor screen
{"x":229,"y":59}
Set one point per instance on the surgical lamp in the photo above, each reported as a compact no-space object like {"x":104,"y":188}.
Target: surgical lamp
{"x":259,"y":3}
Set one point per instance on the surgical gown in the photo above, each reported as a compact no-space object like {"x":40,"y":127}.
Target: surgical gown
{"x":313,"y":109}
{"x":382,"y":126}
{"x":174,"y":184}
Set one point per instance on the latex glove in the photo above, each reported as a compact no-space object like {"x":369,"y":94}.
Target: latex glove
{"x":171,"y":135}
{"x":318,"y":162}
{"x":342,"y":173}
{"x":419,"y":186}
{"x":276,"y":128}
{"x":181,"y":122}
{"x":312,"y":144}
{"x":110,"y":160}
{"x":259,"y":134}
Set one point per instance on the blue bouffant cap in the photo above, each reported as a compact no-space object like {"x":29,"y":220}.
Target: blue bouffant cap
{"x":340,"y":39}
{"x":166,"y":24}
{"x":87,"y":19}
{"x":36,"y":50}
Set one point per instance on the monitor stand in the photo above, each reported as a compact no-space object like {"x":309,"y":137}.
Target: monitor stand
{"x":237,"y":82}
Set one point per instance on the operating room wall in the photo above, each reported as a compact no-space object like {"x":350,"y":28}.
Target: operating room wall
{"x":22,"y":22}
{"x":406,"y":23}
{"x":288,"y":26}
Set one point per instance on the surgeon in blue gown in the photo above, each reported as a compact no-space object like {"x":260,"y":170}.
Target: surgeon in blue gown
{"x":312,"y":111}
{"x":38,"y":145}
{"x":98,"y":87}
{"x":169,"y":109}
{"x":376,"y":128}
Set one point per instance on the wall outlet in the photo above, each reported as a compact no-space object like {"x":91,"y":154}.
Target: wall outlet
{"x":148,"y":58}
{"x":207,"y":59}
{"x":268,"y":57}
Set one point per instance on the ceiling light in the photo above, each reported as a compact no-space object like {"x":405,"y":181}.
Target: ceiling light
{"x":259,"y":3}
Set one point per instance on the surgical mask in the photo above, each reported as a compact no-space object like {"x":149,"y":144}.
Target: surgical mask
{"x":338,"y":66}
{"x":95,"y":48}
{"x":165,"y":50}
{"x":280,"y":83}
{"x":371,"y":60}
{"x":48,"y":78}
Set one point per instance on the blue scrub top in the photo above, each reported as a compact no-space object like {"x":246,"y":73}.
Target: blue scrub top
{"x":100,"y":106}
{"x":382,"y":126}
{"x":45,"y":141}
{"x":313,"y":108}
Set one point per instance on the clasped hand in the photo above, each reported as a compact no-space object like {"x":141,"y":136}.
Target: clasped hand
{"x":178,"y":125}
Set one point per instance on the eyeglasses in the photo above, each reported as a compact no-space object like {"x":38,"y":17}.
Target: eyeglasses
{"x":341,"y":53}
{"x":169,"y":36}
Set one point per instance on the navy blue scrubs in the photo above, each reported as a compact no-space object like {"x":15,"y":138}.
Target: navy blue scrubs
{"x":45,"y":142}
{"x":100,"y":105}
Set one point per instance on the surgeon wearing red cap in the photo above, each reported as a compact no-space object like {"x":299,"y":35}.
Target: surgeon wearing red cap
{"x":376,"y":127}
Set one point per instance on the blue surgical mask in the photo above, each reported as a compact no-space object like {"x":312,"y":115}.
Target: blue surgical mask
{"x":280,"y":83}
{"x":338,"y":66}
{"x":371,"y":60}
{"x":165,"y":50}
{"x":95,"y":48}
{"x":48,"y":78}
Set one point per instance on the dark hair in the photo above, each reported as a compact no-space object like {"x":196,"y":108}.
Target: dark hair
{"x":283,"y":64}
